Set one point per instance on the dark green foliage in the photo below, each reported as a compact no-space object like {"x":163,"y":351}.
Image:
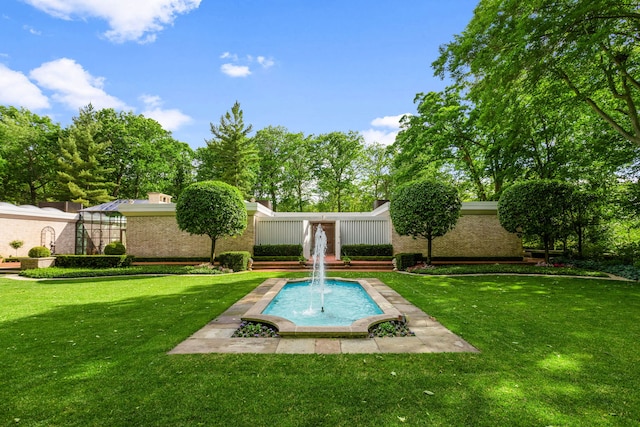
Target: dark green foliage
{"x":406,"y":260}
{"x":255,"y":330}
{"x":277,"y":258}
{"x":277,"y":250}
{"x":230,"y":156}
{"x":39,"y":252}
{"x":81,"y":167}
{"x":93,"y":261}
{"x":392,"y":328}
{"x":235,"y":260}
{"x":115,"y":248}
{"x":426,"y":209}
{"x":363,"y":250}
{"x":212,"y":208}
{"x":537,"y":208}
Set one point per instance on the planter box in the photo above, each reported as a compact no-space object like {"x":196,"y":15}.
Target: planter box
{"x":31,"y":263}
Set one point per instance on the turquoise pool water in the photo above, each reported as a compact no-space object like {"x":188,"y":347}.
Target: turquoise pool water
{"x":344,"y":303}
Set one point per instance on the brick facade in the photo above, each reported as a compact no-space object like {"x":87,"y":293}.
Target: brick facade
{"x":30,"y":231}
{"x":159,"y":236}
{"x":152,"y":231}
{"x":474,"y":236}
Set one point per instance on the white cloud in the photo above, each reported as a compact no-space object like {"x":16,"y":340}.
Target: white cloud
{"x":392,"y":122}
{"x":382,"y":137}
{"x":138,"y":20}
{"x":228,"y":55}
{"x":170,"y":119}
{"x":73,"y":86}
{"x":17,"y":90}
{"x":265,"y":62}
{"x":31,"y":30}
{"x":233,"y":70}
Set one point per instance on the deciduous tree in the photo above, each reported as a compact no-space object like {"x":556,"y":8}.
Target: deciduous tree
{"x":426,"y":209}
{"x":589,"y":46}
{"x":211,"y":208}
{"x":540,"y":208}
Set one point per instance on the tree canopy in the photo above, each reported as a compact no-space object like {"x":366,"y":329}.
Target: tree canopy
{"x":426,"y":209}
{"x":540,"y":208}
{"x":212,"y":208}
{"x":591,"y":47}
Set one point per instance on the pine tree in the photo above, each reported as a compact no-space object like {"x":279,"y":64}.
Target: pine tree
{"x":231,"y":156}
{"x":81,"y":175}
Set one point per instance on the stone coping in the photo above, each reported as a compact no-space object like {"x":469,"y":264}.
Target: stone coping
{"x":286,"y":328}
{"x":430,"y":335}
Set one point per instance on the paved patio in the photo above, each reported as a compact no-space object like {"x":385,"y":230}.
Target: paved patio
{"x":430,"y":335}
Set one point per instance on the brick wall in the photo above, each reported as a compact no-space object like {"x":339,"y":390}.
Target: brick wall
{"x":159,"y":236}
{"x":473,"y":236}
{"x":30,"y":230}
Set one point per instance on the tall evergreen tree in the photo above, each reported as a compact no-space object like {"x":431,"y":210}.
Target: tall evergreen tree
{"x":81,"y":171}
{"x":230,"y":156}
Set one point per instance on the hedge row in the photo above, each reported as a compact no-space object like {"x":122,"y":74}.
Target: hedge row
{"x":276,"y":258}
{"x":405,"y":260}
{"x":277,"y":250}
{"x":366,"y":250}
{"x":93,"y":261}
{"x":235,"y":260}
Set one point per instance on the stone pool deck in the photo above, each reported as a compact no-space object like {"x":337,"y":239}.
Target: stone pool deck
{"x":430,"y":335}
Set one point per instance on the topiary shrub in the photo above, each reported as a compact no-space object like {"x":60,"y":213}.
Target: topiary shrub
{"x":39,"y":252}
{"x":235,"y":260}
{"x":115,"y":248}
{"x":406,"y":260}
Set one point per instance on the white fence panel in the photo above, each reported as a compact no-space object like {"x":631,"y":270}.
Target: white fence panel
{"x":281,"y":232}
{"x":370,"y":232}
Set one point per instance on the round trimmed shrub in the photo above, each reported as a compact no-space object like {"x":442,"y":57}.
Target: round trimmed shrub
{"x":39,"y":252}
{"x":115,"y":248}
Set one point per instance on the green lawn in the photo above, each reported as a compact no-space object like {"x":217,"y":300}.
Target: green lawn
{"x":91,"y":352}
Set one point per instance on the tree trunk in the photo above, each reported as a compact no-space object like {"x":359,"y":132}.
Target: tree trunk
{"x":546,"y":249}
{"x":213,"y":250}
{"x":429,"y":240}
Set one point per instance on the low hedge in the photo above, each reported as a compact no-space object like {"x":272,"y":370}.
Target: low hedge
{"x":235,"y":260}
{"x":93,"y":261}
{"x":276,"y":258}
{"x":277,"y":250}
{"x":406,"y":260}
{"x":366,"y":250}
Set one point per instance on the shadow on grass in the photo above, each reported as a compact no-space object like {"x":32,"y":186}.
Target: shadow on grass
{"x":554,"y":352}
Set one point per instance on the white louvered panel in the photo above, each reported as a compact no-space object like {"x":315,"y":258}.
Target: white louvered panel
{"x":279,"y":232}
{"x":365,"y":232}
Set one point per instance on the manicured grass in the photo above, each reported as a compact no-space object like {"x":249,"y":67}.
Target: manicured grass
{"x":554,"y":351}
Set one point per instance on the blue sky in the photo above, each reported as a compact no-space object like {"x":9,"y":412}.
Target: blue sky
{"x":313,"y":66}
